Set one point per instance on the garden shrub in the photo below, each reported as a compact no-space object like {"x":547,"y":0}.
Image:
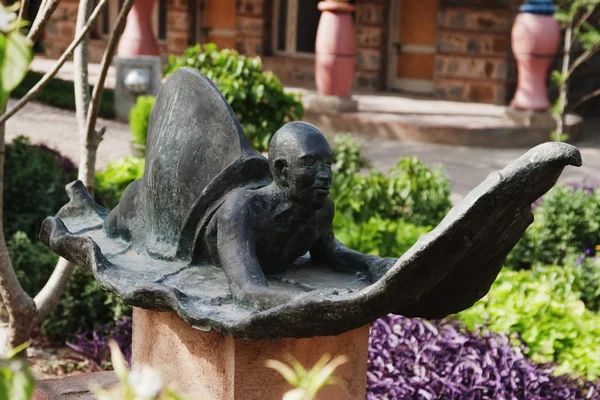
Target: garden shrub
{"x":32,"y":262}
{"x":257,"y":97}
{"x":139,"y":116}
{"x":418,"y":193}
{"x":543,"y":306}
{"x":417,"y":359}
{"x":111,"y":182}
{"x":412,"y":192}
{"x":588,"y":278}
{"x":567,"y":221}
{"x":34,"y":185}
{"x":378,"y":236}
{"x":84,"y":306}
{"x":348,"y":159}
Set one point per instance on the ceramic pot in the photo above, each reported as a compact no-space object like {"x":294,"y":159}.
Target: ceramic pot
{"x":335,"y":49}
{"x":535,"y":41}
{"x":138,"y":38}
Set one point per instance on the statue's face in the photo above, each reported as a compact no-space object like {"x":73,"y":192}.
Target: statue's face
{"x":307,"y":177}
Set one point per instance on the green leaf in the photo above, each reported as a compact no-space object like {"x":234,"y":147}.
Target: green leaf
{"x":18,"y":55}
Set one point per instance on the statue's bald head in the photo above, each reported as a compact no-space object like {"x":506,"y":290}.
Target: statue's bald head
{"x":300,"y":159}
{"x":294,"y":138}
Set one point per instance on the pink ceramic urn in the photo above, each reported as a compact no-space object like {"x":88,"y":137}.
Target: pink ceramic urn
{"x":535,"y":41}
{"x":138,"y":38}
{"x":335,"y":49}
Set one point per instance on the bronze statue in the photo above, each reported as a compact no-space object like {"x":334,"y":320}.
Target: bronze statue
{"x":244,"y":245}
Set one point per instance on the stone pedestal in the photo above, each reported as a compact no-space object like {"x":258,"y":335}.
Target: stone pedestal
{"x":213,"y":366}
{"x":332,"y":104}
{"x":530,"y":118}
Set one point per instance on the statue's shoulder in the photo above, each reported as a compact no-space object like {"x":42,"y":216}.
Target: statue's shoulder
{"x":243,"y":202}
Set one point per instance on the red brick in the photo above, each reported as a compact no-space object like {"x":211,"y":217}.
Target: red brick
{"x":370,"y":14}
{"x":369,"y":36}
{"x":479,"y":20}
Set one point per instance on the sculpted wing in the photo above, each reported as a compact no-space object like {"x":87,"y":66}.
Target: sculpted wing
{"x":196,"y":152}
{"x":454,"y":265}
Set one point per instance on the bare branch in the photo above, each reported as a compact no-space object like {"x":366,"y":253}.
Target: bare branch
{"x":43,"y":16}
{"x":107,"y":58}
{"x":24,"y":5}
{"x":586,"y":55}
{"x":80,"y":61}
{"x":585,"y":98}
{"x":47,"y":298}
{"x":34,"y":91}
{"x":581,"y":21}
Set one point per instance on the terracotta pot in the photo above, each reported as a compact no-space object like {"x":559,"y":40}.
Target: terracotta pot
{"x":138,"y":38}
{"x":535,"y":41}
{"x":335,"y":49}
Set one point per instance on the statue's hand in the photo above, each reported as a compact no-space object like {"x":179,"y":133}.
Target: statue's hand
{"x":265,"y":297}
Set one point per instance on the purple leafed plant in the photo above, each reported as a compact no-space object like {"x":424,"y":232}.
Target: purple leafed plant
{"x":93,"y":345}
{"x":418,"y":359}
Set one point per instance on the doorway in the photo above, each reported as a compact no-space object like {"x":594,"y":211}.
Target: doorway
{"x":412,"y":45}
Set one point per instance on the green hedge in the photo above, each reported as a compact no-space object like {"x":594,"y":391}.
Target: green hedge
{"x":61,"y":94}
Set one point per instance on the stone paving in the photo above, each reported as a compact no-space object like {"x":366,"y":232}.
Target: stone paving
{"x":466,"y":166}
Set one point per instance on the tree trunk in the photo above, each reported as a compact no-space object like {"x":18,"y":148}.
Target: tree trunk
{"x":20,"y":307}
{"x":80,"y":60}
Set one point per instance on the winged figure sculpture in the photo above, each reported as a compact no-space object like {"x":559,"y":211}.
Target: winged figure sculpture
{"x":241,"y":244}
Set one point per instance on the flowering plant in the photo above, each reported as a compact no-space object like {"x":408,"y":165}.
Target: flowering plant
{"x":144,"y":383}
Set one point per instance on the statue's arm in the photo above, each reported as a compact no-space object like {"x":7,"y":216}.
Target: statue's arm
{"x":237,"y":256}
{"x":333,"y":252}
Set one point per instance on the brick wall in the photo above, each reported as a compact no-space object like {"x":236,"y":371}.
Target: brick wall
{"x":371,"y":23}
{"x":60,"y":31}
{"x":371,"y":29}
{"x":474,"y":61}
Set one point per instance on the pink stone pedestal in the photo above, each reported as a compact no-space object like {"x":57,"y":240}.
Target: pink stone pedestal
{"x":213,"y":366}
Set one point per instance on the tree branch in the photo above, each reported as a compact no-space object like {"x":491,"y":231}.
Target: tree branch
{"x":24,"y":5}
{"x":43,"y":16}
{"x":34,"y":91}
{"x":586,"y":55}
{"x":47,"y":298}
{"x":581,"y":21}
{"x":585,"y":98}
{"x":80,"y":61}
{"x":19,"y":305}
{"x":93,"y":137}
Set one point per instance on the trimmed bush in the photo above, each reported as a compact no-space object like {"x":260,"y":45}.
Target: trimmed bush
{"x":111,"y":182}
{"x":256,"y":96}
{"x":32,"y":261}
{"x":139,"y":117}
{"x":34,"y":185}
{"x":412,"y":192}
{"x":61,"y":94}
{"x":84,"y":306}
{"x":567,"y":221}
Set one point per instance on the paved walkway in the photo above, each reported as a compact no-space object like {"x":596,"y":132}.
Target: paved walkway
{"x":466,"y":166}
